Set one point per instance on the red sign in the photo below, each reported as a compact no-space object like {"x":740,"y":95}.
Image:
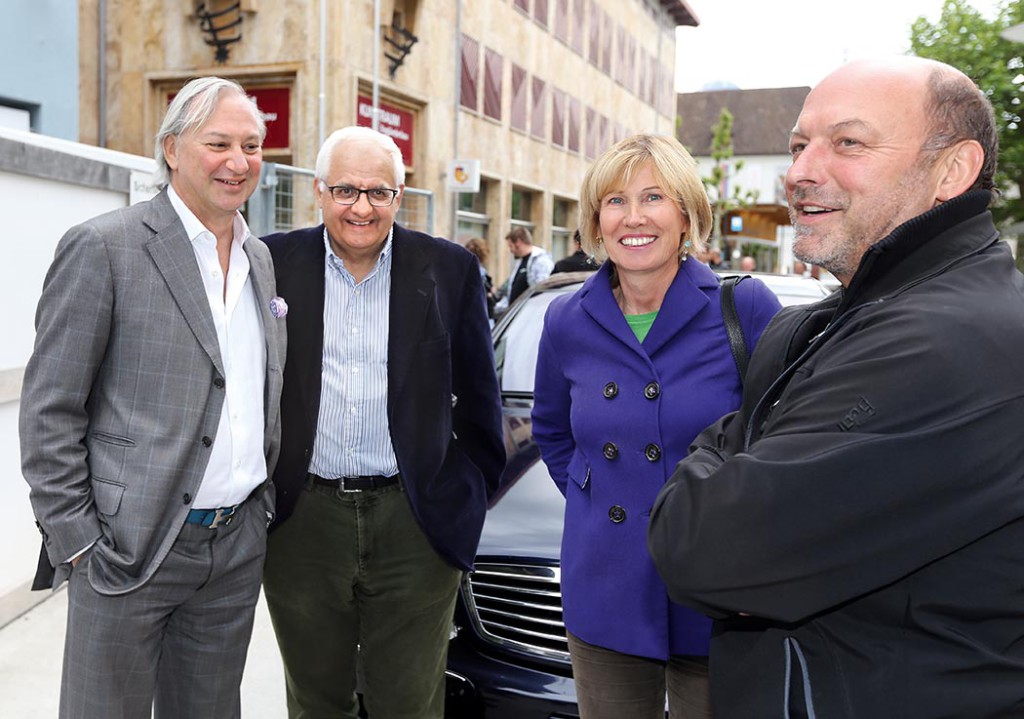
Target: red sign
{"x":392,"y":121}
{"x":275,"y":104}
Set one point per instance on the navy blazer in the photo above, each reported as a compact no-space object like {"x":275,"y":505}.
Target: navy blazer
{"x":439,"y":345}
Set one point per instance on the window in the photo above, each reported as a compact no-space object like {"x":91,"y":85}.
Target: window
{"x":652,"y":80}
{"x":523,"y":5}
{"x":578,"y":25}
{"x":620,"y":132}
{"x":575,"y":114}
{"x":523,"y":202}
{"x":470,"y":72}
{"x":563,"y":218}
{"x":520,"y":109}
{"x":557,"y":117}
{"x":540,"y":11}
{"x":591,"y":133}
{"x":493,"y":66}
{"x":474,"y":201}
{"x":538,"y":119}
{"x":620,"y":56}
{"x":631,"y":51}
{"x":667,"y":97}
{"x":606,"y":43}
{"x":562,"y":20}
{"x":595,"y":34}
{"x":473,"y":220}
{"x":642,"y":82}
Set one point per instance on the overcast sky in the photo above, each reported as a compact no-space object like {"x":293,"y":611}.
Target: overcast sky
{"x":791,"y":43}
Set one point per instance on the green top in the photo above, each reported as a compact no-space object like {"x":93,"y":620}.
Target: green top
{"x":641,"y":324}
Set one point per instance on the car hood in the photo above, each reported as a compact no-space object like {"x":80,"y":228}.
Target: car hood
{"x":525,"y":520}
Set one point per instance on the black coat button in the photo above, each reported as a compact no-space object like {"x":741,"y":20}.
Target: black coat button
{"x":610,"y":390}
{"x":652,"y":390}
{"x":610,"y":450}
{"x":652,"y":452}
{"x":207,"y":441}
{"x":218,"y":382}
{"x":617,"y":514}
{"x":186,"y":498}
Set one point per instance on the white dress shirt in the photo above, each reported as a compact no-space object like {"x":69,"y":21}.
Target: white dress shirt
{"x":237,"y":462}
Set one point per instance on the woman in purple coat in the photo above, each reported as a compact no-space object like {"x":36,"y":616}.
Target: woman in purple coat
{"x":630,"y":369}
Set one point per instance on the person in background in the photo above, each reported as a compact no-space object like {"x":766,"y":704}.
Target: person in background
{"x":391,"y":448}
{"x":799,"y":268}
{"x":711,"y":256}
{"x":857,"y":528}
{"x":149,"y":424}
{"x":748,"y":264}
{"x":532,"y":264}
{"x":578,"y":261}
{"x":478,"y":246}
{"x":630,"y":368}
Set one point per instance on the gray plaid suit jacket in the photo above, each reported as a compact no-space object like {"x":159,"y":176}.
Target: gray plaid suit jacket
{"x":124,"y":390}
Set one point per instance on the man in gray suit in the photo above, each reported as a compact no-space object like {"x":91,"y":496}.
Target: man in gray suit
{"x":149,"y":425}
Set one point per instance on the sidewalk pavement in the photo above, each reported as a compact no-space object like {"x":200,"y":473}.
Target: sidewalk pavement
{"x":31,"y":648}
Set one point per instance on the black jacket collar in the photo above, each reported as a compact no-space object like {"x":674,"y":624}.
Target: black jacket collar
{"x":922,"y":246}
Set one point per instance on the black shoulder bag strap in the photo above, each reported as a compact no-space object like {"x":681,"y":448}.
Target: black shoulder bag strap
{"x":737,"y":344}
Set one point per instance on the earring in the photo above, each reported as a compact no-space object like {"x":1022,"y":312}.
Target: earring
{"x":600,"y":240}
{"x":685,"y":250}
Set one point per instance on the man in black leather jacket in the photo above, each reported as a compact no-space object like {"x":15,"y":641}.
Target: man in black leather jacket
{"x":857,"y":528}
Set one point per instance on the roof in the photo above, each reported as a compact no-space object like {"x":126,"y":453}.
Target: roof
{"x":762,"y":119}
{"x":681,"y":12}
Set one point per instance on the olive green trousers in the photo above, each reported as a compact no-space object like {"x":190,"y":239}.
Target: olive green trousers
{"x":352,"y":584}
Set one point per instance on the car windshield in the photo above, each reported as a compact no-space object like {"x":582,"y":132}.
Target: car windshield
{"x":516,"y":340}
{"x":515,"y":349}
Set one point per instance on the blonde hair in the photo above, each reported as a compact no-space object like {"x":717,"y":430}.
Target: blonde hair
{"x":676,"y":172}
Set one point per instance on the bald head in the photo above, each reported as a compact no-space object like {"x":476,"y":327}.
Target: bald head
{"x":877,"y":143}
{"x":953,"y":108}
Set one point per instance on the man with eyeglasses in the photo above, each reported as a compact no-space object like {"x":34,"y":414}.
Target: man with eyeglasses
{"x":391,"y":444}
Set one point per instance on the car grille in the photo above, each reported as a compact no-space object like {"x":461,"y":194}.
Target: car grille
{"x":518,"y":607}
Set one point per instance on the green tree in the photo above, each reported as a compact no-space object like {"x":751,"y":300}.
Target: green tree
{"x":965,"y":39}
{"x":717,"y":183}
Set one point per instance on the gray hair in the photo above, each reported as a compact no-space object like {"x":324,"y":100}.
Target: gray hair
{"x":189,"y":111}
{"x":957,"y":110}
{"x":358,"y":132}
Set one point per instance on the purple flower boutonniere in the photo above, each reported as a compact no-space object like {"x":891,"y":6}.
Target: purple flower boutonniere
{"x":278,"y":307}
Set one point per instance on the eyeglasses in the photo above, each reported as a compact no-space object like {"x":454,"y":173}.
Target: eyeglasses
{"x":377,"y":196}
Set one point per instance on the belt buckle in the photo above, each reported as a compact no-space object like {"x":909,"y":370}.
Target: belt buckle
{"x":223,"y":516}
{"x":343,"y":488}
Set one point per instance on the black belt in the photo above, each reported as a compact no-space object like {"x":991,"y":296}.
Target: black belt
{"x":356,"y":484}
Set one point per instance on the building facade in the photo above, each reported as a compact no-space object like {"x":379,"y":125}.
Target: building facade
{"x":762,"y":121}
{"x":525,"y":91}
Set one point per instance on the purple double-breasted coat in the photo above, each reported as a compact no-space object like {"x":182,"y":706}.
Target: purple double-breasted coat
{"x":612,"y":418}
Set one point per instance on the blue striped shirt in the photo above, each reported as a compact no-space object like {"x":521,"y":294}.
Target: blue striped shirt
{"x":352,"y":436}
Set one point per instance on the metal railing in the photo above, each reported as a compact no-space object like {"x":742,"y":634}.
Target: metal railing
{"x":285,"y":201}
